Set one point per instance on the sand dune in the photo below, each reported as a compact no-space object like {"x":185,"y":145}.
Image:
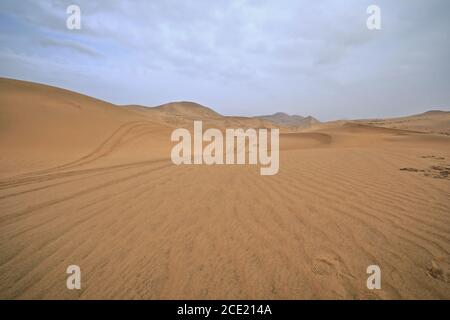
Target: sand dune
{"x":90,"y":183}
{"x":434,"y":121}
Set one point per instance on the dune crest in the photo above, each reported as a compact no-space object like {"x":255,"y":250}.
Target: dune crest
{"x":433,"y":121}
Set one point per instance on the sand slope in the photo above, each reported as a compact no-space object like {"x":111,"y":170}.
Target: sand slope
{"x":89,"y":183}
{"x":434,"y":121}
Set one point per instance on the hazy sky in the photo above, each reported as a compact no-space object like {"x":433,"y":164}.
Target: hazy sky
{"x":238,"y":57}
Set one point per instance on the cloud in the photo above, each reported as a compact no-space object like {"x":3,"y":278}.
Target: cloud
{"x":244,"y":57}
{"x":58,"y":44}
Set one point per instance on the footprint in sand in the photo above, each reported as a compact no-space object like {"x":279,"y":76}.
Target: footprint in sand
{"x":411,"y":170}
{"x":433,"y":157}
{"x":440,"y":269}
{"x":326,"y":265}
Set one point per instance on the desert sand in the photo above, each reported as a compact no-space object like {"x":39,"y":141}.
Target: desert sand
{"x":89,"y":183}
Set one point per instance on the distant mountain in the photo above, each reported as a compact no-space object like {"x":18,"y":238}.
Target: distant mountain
{"x":187,"y":108}
{"x":284,"y":119}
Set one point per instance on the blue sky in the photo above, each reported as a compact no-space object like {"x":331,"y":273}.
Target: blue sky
{"x":238,"y":57}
